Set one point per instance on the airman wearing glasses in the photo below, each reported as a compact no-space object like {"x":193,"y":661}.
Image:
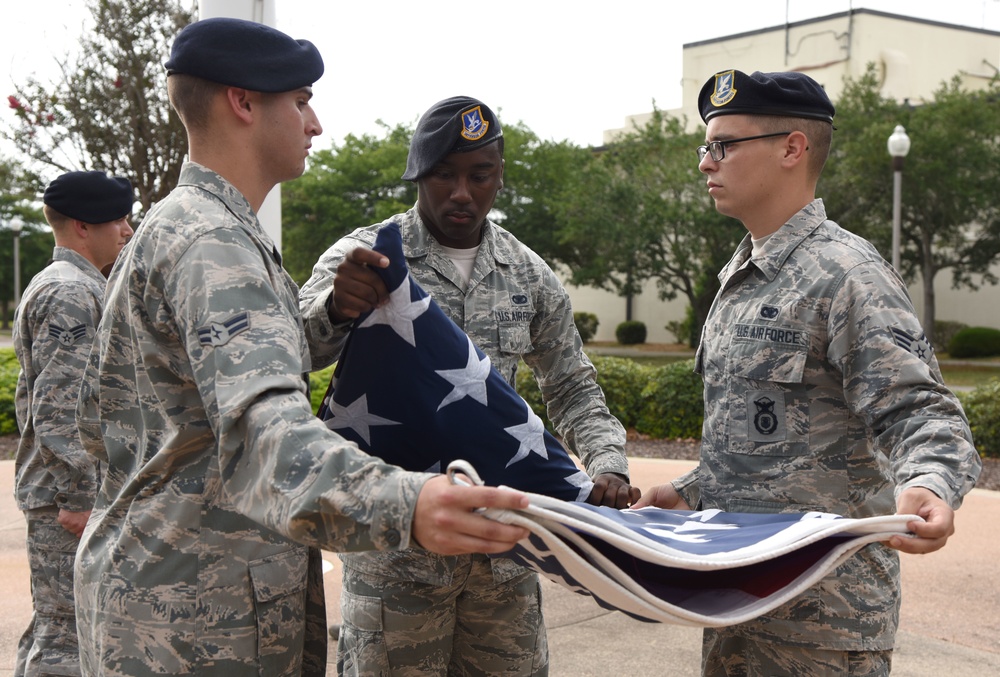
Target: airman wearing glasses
{"x":850,"y":416}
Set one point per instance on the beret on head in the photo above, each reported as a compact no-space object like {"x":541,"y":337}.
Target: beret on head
{"x":455,"y":125}
{"x":788,"y":94}
{"x":91,"y":197}
{"x":244,"y":54}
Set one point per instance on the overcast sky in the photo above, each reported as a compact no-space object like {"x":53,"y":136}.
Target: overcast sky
{"x":568,"y":70}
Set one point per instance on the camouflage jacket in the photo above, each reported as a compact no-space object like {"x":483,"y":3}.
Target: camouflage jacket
{"x":53,"y":329}
{"x":822,"y":393}
{"x":514,"y":308}
{"x":218,"y":473}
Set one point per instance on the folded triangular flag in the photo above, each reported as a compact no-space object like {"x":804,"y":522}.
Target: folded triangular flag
{"x":413,"y":389}
{"x":703,"y":569}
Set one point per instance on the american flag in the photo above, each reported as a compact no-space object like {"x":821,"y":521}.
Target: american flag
{"x":413,"y":389}
{"x":702,"y":569}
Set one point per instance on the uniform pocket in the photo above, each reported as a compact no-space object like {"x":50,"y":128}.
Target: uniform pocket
{"x":769,"y":408}
{"x":361,"y":649}
{"x":279,"y":591}
{"x":515,"y":339}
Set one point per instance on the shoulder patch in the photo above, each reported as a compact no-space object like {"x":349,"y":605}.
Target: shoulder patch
{"x":918,"y":345}
{"x":218,"y":333}
{"x":68,"y":337}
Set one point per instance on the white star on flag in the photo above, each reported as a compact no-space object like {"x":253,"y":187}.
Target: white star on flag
{"x":469,"y":381}
{"x":356,"y":417}
{"x":531,"y":435}
{"x":400,"y":312}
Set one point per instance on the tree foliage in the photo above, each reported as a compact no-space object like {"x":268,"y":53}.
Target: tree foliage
{"x":109,"y":110}
{"x":538,"y":176}
{"x":18,"y":191}
{"x":357,"y":183}
{"x":641,"y":212}
{"x":349,"y":186}
{"x":950,"y":212}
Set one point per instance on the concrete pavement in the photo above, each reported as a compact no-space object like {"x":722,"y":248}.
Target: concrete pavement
{"x":950,"y":616}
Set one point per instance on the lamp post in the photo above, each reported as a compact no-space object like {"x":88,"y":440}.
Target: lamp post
{"x":15,"y":227}
{"x":899,"y":146}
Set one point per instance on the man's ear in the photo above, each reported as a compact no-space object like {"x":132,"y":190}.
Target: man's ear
{"x":240,"y":103}
{"x":796,"y":145}
{"x":80,"y":229}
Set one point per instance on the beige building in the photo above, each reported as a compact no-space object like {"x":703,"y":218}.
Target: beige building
{"x":913,"y":57}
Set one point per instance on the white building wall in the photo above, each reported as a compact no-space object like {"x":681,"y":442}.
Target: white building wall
{"x":913,"y":57}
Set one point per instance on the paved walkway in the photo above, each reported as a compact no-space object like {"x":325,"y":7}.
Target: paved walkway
{"x":950,"y":615}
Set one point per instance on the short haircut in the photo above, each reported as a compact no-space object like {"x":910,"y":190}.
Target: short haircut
{"x":192,"y":98}
{"x":818,"y":132}
{"x":55,"y":219}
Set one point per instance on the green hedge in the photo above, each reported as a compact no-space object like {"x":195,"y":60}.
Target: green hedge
{"x":631,"y":332}
{"x":982,"y":406}
{"x":9,"y":369}
{"x":975,"y":342}
{"x":662,"y":402}
{"x":673,"y":403}
{"x":319,"y":381}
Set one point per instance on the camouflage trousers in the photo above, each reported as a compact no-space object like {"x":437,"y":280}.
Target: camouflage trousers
{"x":472,"y":626}
{"x":49,"y":645}
{"x":727,"y":655}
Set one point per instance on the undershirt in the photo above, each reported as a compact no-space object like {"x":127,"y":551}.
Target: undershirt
{"x":464,"y":260}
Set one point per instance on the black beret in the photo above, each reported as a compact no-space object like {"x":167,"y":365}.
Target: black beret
{"x":788,"y":94}
{"x":91,"y":197}
{"x":244,"y":54}
{"x":455,"y":125}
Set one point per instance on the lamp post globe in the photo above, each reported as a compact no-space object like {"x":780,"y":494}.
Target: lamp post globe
{"x":898,"y":146}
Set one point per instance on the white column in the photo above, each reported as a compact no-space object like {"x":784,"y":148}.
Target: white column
{"x":261,"y":11}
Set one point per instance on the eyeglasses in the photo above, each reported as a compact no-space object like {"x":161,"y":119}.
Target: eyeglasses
{"x":718,"y":148}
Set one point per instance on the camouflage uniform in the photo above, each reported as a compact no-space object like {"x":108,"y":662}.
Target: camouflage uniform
{"x":821,"y":393}
{"x":195,"y":559}
{"x":53,"y":329}
{"x":400,"y":608}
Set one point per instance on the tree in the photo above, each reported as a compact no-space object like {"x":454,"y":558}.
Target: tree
{"x":950,"y":211}
{"x":18,"y":191}
{"x":538,"y":175}
{"x":641,"y":212}
{"x":110,"y":109}
{"x":359,"y":183}
{"x":346,"y":187}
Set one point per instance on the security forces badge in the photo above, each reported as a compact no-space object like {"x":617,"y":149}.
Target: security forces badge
{"x":474,"y":127}
{"x":766,"y":416}
{"x":724,"y":90}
